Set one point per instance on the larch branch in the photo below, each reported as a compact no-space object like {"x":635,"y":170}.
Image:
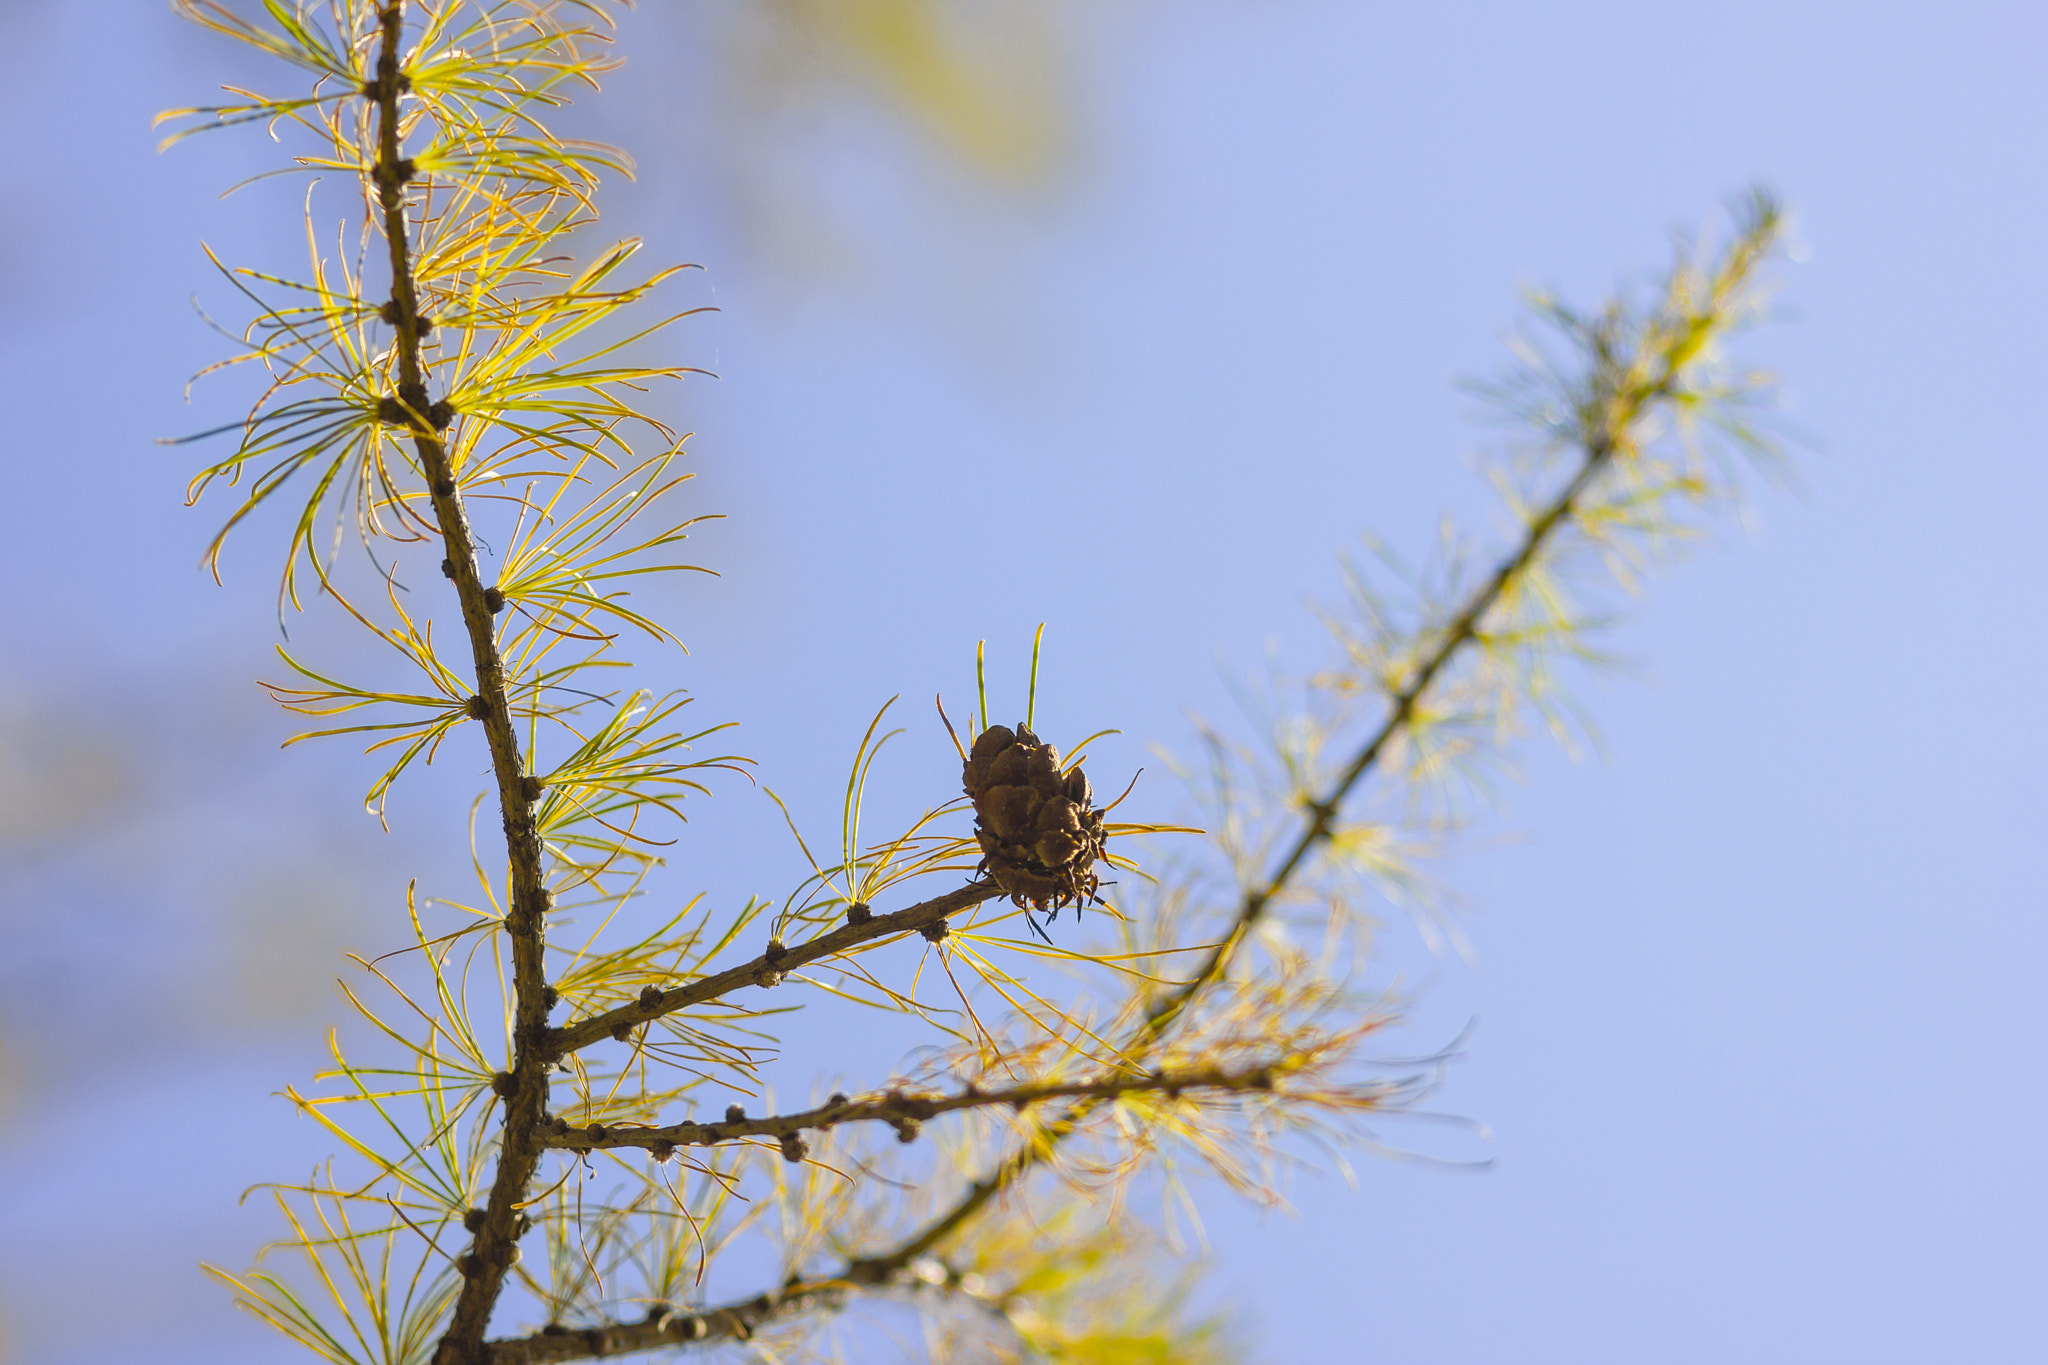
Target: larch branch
{"x":765,"y":970}
{"x":904,"y":1110}
{"x":1609,"y":433}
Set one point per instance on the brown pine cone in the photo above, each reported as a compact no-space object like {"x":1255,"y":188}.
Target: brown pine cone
{"x":1040,"y":837}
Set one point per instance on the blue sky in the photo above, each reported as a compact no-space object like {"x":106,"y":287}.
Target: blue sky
{"x":1754,"y":993}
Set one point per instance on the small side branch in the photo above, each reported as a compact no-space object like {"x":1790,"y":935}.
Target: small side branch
{"x":666,"y":1327}
{"x":903,"y":1111}
{"x":765,"y":970}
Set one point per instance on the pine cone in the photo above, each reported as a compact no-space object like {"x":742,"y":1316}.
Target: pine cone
{"x":1039,"y":835}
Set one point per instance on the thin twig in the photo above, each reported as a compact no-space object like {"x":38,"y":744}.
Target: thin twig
{"x":903,"y":1110}
{"x":765,"y":970}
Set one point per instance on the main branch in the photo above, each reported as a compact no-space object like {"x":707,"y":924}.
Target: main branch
{"x":525,"y":1099}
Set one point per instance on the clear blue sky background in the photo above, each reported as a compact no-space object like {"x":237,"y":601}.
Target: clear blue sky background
{"x":1758,"y":1001}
